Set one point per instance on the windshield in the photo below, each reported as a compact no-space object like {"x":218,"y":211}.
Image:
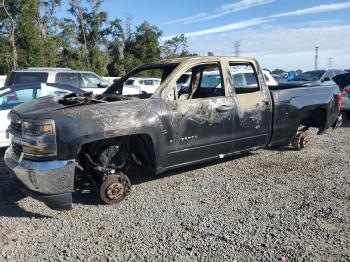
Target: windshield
{"x":309,"y":76}
{"x":158,"y":71}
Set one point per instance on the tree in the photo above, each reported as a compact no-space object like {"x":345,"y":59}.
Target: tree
{"x":92,"y":33}
{"x":175,"y":46}
{"x":210,"y":53}
{"x":27,"y":29}
{"x":278,"y":71}
{"x":12,"y":37}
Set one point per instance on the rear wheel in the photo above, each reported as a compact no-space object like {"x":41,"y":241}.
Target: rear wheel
{"x":115,"y":188}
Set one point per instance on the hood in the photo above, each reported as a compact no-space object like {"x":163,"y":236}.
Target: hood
{"x":342,"y":80}
{"x":50,"y":105}
{"x":40,"y":106}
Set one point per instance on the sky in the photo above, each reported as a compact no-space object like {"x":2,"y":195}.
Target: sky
{"x":279,"y":33}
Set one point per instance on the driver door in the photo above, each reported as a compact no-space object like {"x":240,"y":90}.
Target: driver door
{"x":197,"y":118}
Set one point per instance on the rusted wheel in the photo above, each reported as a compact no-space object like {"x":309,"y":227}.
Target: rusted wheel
{"x":114,"y":189}
{"x":304,"y":140}
{"x":301,"y":141}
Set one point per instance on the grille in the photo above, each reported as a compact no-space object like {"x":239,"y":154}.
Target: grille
{"x":17,"y":127}
{"x":17,"y":149}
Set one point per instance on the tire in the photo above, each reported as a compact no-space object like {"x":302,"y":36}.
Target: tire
{"x":114,"y":189}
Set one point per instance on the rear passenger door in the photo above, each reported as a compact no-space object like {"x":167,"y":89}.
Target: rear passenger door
{"x":69,"y":79}
{"x":252,"y":122}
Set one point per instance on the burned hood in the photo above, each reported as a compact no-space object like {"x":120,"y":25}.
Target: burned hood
{"x":342,"y":80}
{"x":37,"y":107}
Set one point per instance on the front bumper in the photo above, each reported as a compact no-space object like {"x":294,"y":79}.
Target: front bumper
{"x":51,"y":182}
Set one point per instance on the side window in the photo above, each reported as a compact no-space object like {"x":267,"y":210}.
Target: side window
{"x":68,"y":78}
{"x":90,"y":80}
{"x":206,"y":81}
{"x":245,"y":79}
{"x":239,"y":80}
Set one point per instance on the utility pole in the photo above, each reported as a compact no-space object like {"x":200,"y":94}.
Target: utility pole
{"x":237,"y":45}
{"x":316,"y":57}
{"x":330,"y":60}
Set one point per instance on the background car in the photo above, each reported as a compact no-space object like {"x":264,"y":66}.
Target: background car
{"x":18,"y":94}
{"x":85,"y":80}
{"x":316,"y":77}
{"x":146,"y":85}
{"x":343,"y":81}
{"x":247,"y":78}
{"x":2,"y":80}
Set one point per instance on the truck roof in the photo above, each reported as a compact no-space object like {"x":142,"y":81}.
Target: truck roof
{"x":204,"y":59}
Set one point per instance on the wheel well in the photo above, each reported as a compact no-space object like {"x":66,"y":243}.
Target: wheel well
{"x":315,"y":118}
{"x":137,"y":148}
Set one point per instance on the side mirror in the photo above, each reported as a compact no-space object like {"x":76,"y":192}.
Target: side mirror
{"x":102,"y":85}
{"x":326,"y":79}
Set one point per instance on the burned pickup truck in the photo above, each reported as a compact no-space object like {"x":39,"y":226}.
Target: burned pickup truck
{"x":205,"y":108}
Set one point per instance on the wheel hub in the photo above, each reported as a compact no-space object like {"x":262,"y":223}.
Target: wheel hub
{"x":115,"y":191}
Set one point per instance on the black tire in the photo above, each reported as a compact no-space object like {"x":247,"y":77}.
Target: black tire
{"x":114,"y":189}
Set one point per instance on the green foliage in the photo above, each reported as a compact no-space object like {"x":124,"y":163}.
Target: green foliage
{"x":85,"y":40}
{"x":278,"y":71}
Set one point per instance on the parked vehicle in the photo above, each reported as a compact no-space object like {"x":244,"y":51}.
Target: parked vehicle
{"x":2,"y":80}
{"x":344,"y":83}
{"x":110,"y":79}
{"x":248,"y":76}
{"x":87,"y":81}
{"x":316,"y":77}
{"x":97,"y":139}
{"x":18,"y":94}
{"x":145,"y":85}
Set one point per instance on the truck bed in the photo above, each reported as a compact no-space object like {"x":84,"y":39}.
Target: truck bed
{"x":296,"y":106}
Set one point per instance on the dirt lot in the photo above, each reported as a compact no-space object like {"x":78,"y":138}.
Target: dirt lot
{"x":267,"y":205}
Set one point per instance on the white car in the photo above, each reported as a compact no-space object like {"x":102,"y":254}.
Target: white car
{"x":247,"y":78}
{"x":85,"y":80}
{"x":18,"y":94}
{"x":146,"y":85}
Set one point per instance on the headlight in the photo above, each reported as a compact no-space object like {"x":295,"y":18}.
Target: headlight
{"x":39,"y":138}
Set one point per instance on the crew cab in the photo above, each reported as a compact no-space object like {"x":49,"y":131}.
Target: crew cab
{"x":61,"y":144}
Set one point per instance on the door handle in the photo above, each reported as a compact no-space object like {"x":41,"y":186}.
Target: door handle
{"x":223,"y":108}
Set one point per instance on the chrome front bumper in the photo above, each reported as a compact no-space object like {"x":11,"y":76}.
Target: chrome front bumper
{"x":47,"y":179}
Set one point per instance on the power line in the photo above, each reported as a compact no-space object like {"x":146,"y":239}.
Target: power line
{"x":237,"y":45}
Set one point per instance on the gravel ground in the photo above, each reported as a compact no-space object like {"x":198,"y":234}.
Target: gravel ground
{"x":267,"y":205}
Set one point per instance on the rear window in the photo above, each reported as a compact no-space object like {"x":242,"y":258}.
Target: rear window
{"x":26,"y":77}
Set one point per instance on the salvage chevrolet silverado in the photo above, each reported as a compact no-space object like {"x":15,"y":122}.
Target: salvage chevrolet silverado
{"x":62,"y":143}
